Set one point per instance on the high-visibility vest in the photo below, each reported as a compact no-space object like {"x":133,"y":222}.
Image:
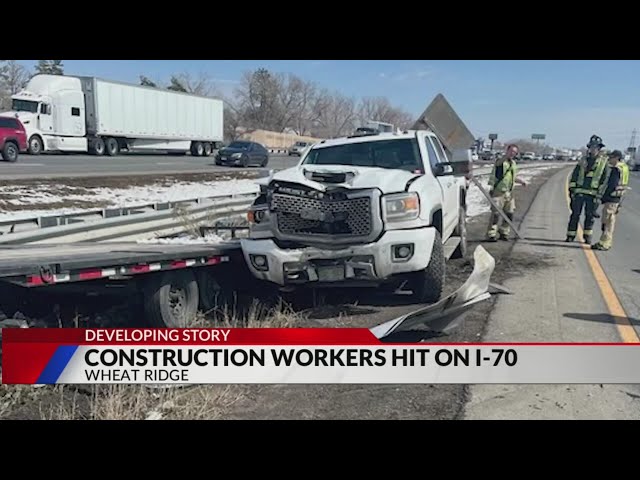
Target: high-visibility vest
{"x":596,"y":176}
{"x":507,"y":182}
{"x":624,"y":179}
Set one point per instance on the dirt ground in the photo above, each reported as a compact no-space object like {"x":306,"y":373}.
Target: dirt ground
{"x":298,"y":401}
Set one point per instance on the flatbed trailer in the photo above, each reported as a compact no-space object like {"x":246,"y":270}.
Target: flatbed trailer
{"x":172,"y":281}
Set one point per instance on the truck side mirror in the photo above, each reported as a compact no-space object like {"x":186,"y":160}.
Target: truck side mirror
{"x":443,"y":169}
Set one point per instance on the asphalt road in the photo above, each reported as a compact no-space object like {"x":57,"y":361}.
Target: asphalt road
{"x":65,"y":166}
{"x":561,"y":296}
{"x":622,"y":262}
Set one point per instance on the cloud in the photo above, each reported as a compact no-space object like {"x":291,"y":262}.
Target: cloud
{"x":408,"y":76}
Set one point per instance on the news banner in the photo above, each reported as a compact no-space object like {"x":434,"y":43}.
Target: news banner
{"x":296,"y":356}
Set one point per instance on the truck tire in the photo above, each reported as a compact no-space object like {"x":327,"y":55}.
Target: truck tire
{"x":111,"y":147}
{"x":215,"y":297}
{"x":35,"y":145}
{"x":207,"y":149}
{"x":10,"y":152}
{"x":461,"y":231}
{"x":427,"y":285}
{"x":171,"y":299}
{"x":197,"y":149}
{"x":97,"y":147}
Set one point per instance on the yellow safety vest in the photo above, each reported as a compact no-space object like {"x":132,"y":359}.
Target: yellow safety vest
{"x":595,"y":175}
{"x":507,"y":182}
{"x":624,"y":179}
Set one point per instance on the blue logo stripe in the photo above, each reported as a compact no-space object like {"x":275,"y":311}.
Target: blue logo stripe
{"x":57,"y":364}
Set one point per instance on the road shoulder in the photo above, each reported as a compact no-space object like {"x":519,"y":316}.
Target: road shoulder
{"x":551,"y":304}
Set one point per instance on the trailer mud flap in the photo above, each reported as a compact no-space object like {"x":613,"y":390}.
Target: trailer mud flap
{"x":448,"y":313}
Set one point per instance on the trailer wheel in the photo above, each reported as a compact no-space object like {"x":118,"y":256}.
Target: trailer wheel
{"x":112,"y":147}
{"x":207,"y":149}
{"x":35,"y":145}
{"x":215,"y":298}
{"x":197,"y":149}
{"x":171,"y":299}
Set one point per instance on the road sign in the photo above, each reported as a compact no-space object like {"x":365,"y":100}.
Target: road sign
{"x":538,"y":136}
{"x":493,"y":136}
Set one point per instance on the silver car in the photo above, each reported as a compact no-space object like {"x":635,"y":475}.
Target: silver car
{"x":298,"y":148}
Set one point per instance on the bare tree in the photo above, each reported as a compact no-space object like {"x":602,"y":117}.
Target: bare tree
{"x":50,"y":67}
{"x":15,"y":77}
{"x":337,"y":116}
{"x":258,"y":95}
{"x":380,"y":109}
{"x":176,"y":85}
{"x":147,"y":82}
{"x":201,"y":84}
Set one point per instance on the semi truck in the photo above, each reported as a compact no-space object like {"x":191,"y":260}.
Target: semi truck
{"x":64,"y":113}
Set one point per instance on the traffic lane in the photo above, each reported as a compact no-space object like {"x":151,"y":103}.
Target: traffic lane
{"x":59,"y":166}
{"x":622,"y":263}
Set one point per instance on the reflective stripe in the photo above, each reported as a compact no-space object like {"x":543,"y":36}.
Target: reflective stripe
{"x":507,"y":182}
{"x":624,"y":174}
{"x":595,"y":175}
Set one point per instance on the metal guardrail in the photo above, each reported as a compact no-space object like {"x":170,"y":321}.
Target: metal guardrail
{"x":129,"y":223}
{"x":99,"y":215}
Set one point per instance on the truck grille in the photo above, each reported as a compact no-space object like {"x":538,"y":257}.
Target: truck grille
{"x":308,"y":216}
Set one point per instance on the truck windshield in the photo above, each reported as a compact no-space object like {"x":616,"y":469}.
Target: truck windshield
{"x":24,"y":106}
{"x":399,"y":154}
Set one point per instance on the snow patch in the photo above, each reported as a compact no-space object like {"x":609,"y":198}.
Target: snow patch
{"x":209,"y":239}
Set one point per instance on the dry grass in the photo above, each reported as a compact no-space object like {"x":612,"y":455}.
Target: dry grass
{"x":141,"y":402}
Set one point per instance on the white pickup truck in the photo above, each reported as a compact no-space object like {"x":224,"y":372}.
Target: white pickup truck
{"x":382,"y":209}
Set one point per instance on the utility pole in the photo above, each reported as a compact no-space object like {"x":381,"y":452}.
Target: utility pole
{"x":632,"y":144}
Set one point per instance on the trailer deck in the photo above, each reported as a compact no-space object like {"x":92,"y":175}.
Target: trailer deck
{"x":46,"y":264}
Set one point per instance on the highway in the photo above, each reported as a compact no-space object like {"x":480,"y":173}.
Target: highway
{"x":66,"y":166}
{"x":566,"y":293}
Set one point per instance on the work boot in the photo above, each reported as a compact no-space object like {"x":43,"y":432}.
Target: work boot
{"x":504,"y":237}
{"x":599,"y":246}
{"x":492,"y":239}
{"x":587,"y":239}
{"x":570,"y":239}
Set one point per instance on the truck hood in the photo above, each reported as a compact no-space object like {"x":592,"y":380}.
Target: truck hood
{"x":24,"y":117}
{"x":386,"y":180}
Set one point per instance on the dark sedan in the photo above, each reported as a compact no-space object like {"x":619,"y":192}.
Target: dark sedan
{"x":243,"y":154}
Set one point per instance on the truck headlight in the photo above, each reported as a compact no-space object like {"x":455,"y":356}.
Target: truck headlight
{"x":236,"y":155}
{"x":401,"y":206}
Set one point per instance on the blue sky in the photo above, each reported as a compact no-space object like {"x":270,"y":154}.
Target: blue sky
{"x":566,"y":100}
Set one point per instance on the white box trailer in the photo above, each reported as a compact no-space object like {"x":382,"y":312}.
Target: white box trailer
{"x":88,"y":114}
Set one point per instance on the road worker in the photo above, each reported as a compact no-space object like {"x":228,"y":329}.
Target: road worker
{"x":614,"y":188}
{"x":502,"y":182}
{"x":585,"y":184}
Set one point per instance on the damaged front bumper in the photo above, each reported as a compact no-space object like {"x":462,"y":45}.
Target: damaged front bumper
{"x":396,"y":252}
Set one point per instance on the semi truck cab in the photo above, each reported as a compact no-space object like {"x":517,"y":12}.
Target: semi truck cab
{"x":52,"y":109}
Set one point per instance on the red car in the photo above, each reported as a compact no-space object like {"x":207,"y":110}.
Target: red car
{"x":13,"y":138}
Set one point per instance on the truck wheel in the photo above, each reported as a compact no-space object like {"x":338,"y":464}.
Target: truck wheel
{"x":171,"y":299}
{"x":97,"y":147}
{"x":428,"y":284}
{"x":207,"y":149}
{"x":214,"y":296}
{"x":197,"y":149}
{"x":461,"y":231}
{"x":10,"y":152}
{"x":35,"y":145}
{"x":111,"y":147}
